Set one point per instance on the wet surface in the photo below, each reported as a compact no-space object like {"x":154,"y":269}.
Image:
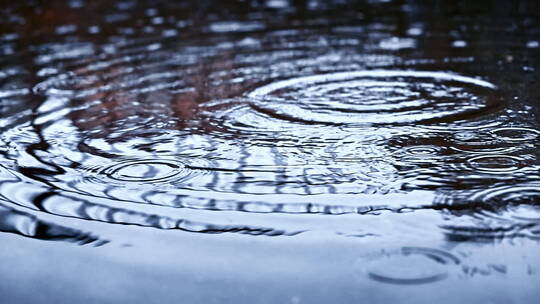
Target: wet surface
{"x":269,"y":151}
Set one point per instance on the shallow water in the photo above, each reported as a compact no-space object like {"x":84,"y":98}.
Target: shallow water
{"x":269,"y":152}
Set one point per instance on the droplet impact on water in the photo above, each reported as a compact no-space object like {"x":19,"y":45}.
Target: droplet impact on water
{"x":516,"y":134}
{"x":375,"y":97}
{"x":165,"y":120}
{"x":499,"y":212}
{"x":144,"y":170}
{"x":511,"y":194}
{"x":332,"y":126}
{"x":495,"y":163}
{"x":409,"y":266}
{"x":481,"y":142}
{"x":420,"y":154}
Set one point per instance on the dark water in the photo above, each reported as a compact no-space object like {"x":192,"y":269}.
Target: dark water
{"x":269,"y":152}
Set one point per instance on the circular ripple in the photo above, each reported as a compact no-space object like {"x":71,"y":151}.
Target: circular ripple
{"x":521,"y":193}
{"x":422,"y":150}
{"x":498,"y":212}
{"x":515,"y":134}
{"x":495,"y":163}
{"x":375,"y":97}
{"x":235,"y":114}
{"x":480,"y":142}
{"x":144,"y":171}
{"x":411,"y":265}
{"x":420,"y":154}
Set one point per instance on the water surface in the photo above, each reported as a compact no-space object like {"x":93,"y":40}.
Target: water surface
{"x":269,"y":152}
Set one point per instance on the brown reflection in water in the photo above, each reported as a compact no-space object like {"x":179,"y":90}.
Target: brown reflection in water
{"x":174,"y":110}
{"x":443,"y":23}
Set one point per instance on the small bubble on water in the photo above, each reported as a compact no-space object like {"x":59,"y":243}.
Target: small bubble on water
{"x":76,"y":3}
{"x":157,"y":20}
{"x":93,"y":29}
{"x":47,"y":71}
{"x":170,"y":33}
{"x":533,"y":44}
{"x":154,"y":47}
{"x":277,"y":3}
{"x":414,"y":31}
{"x":397,"y":43}
{"x":459,"y":44}
{"x":66,"y":29}
{"x":151,"y":12}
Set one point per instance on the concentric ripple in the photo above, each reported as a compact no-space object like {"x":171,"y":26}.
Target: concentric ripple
{"x":409,"y":266}
{"x":516,"y":134}
{"x":515,"y":194}
{"x":284,"y":145}
{"x":376,"y":97}
{"x":499,"y":212}
{"x":155,"y":120}
{"x":495,"y":163}
{"x":144,"y":171}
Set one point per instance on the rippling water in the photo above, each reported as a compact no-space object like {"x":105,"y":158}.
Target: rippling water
{"x":272,"y":151}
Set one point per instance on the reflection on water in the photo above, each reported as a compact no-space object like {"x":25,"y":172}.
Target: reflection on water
{"x":408,"y":130}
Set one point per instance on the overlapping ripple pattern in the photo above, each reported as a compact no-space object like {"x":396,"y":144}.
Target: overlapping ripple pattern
{"x":148,"y":118}
{"x":376,"y":97}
